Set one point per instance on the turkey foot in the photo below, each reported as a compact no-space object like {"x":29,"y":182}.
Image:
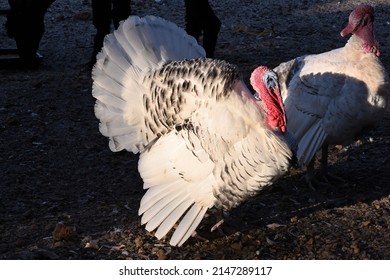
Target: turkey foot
{"x":220,"y":220}
{"x":331,"y":178}
{"x":220,"y":225}
{"x":324,"y":174}
{"x":199,"y":237}
{"x":223,"y":228}
{"x":325,"y":179}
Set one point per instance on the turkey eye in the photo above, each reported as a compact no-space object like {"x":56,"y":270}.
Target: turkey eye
{"x":364,"y":20}
{"x":256,"y":96}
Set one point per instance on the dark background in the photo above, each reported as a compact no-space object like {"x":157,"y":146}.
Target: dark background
{"x":65,"y":195}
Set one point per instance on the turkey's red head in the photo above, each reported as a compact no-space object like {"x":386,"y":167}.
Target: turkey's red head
{"x":361,"y":24}
{"x":265,"y":82}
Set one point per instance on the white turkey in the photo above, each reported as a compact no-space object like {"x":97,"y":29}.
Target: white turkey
{"x":204,"y":139}
{"x":334,"y":97}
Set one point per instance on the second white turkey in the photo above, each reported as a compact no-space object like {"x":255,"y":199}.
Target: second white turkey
{"x":204,"y":139}
{"x":336,"y":96}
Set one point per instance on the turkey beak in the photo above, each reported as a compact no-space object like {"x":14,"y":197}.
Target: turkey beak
{"x":347,"y":30}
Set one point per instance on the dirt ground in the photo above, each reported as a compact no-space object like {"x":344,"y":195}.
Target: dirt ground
{"x":65,"y":195}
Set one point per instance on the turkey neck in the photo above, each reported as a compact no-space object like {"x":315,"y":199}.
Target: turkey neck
{"x":356,"y":46}
{"x":363,"y":40}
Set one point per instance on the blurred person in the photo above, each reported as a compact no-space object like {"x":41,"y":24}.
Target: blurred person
{"x":25,"y":23}
{"x":105,"y":12}
{"x":201,"y":19}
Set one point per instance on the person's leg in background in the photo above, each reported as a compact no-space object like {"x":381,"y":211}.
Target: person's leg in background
{"x":101,"y":18}
{"x":121,"y":10}
{"x":200,"y":17}
{"x":211,"y":27}
{"x":25,"y":22}
{"x":193,"y":18}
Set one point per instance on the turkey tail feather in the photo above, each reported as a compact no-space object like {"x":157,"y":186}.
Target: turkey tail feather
{"x":188,"y":225}
{"x":128,"y":54}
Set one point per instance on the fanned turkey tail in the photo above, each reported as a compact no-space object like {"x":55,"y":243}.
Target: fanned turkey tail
{"x":138,"y":45}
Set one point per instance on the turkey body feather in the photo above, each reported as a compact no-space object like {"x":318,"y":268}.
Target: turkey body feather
{"x":201,"y":135}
